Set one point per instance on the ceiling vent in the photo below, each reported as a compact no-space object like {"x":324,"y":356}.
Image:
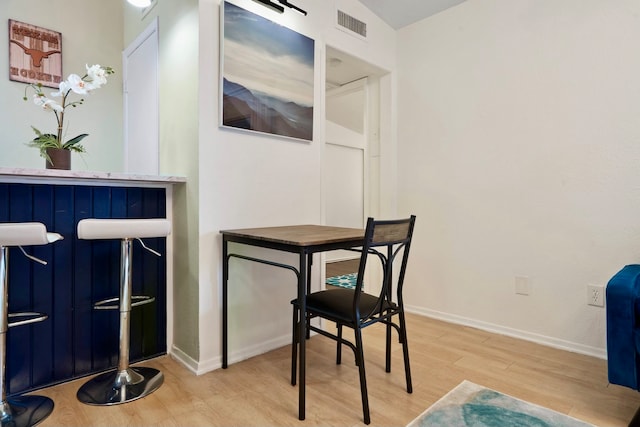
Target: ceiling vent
{"x":352,"y":24}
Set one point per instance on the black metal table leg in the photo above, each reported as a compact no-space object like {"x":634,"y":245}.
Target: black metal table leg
{"x":635,"y":421}
{"x":302,"y":302}
{"x":225,"y":279}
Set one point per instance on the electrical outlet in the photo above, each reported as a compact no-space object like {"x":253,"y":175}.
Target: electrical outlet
{"x":595,"y":295}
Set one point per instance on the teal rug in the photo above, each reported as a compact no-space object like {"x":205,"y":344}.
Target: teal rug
{"x":345,"y":281}
{"x":471,"y":405}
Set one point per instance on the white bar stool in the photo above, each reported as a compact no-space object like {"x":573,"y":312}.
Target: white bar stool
{"x":125,"y":383}
{"x":25,"y":410}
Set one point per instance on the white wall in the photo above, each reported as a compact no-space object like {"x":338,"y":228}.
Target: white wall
{"x":234,"y":179}
{"x":178,"y":93}
{"x":518,"y":150}
{"x":89,"y":36}
{"x":519,"y":146}
{"x":251,"y":180}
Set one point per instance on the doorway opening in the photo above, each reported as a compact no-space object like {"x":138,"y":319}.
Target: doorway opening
{"x":141,"y":114}
{"x":352,"y":152}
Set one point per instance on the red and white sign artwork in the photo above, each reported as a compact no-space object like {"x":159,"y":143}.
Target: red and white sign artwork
{"x":35,"y":54}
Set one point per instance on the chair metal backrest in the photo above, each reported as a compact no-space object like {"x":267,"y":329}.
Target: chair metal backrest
{"x":395,"y":236}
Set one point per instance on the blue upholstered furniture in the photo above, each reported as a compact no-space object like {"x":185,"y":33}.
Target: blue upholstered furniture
{"x":623,"y":330}
{"x":623,"y":327}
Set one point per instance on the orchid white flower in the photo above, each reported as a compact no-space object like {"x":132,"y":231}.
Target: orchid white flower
{"x":77,"y":85}
{"x":97,"y":75}
{"x":46,"y":103}
{"x":62,"y":89}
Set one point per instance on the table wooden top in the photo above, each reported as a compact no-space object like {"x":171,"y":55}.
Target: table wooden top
{"x":299,"y":235}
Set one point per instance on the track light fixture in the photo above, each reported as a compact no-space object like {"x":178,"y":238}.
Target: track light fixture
{"x":271,"y":5}
{"x":280,"y":7}
{"x":140,"y":3}
{"x":293,"y":6}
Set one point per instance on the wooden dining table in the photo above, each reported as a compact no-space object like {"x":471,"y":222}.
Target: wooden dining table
{"x":304,"y":240}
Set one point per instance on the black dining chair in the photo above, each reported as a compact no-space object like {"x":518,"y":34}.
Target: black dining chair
{"x":387,"y":241}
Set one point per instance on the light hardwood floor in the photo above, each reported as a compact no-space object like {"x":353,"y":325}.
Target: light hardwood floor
{"x":338,"y":268}
{"x":257,"y":392}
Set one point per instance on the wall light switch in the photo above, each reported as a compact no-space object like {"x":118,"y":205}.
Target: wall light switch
{"x":523,"y":285}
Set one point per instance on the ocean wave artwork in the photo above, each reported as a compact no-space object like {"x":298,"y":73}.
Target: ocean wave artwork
{"x":267,"y":76}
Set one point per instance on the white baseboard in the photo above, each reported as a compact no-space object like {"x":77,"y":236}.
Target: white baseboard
{"x":186,"y":360}
{"x":515,"y":333}
{"x":204,"y":366}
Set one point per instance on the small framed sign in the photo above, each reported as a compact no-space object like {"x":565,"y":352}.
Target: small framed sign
{"x":35,"y":54}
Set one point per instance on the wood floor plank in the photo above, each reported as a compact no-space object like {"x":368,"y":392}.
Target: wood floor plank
{"x":257,"y":392}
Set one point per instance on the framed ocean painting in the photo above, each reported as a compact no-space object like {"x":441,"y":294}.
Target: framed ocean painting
{"x":267,"y":76}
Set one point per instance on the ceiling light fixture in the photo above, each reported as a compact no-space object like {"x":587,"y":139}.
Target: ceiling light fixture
{"x":140,"y":3}
{"x":271,"y":5}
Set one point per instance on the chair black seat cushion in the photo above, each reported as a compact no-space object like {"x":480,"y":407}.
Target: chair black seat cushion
{"x":337,"y":304}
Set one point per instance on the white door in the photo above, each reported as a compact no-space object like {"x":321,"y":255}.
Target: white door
{"x":141,"y":118}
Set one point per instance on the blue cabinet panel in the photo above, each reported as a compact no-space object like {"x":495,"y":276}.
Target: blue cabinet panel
{"x":81,"y":322}
{"x":76,"y":340}
{"x":43,"y":297}
{"x":62,"y":284}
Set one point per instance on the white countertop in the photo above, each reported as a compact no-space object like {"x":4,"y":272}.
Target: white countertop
{"x":86,"y":177}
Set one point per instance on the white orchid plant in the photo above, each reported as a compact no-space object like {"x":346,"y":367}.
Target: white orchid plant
{"x":95,"y":78}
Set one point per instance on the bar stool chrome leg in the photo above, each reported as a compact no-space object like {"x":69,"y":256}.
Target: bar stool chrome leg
{"x":126,"y":383}
{"x":26,"y":410}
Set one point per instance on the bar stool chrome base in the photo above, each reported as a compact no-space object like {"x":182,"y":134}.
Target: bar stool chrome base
{"x":23,"y":411}
{"x":125,"y":383}
{"x":115,"y":387}
{"x":26,"y":410}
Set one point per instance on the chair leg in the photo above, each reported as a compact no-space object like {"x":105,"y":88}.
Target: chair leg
{"x":294,"y":346}
{"x":363,"y":378}
{"x":339,"y":345}
{"x":405,"y":351}
{"x":635,"y":421}
{"x":388,"y":349}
